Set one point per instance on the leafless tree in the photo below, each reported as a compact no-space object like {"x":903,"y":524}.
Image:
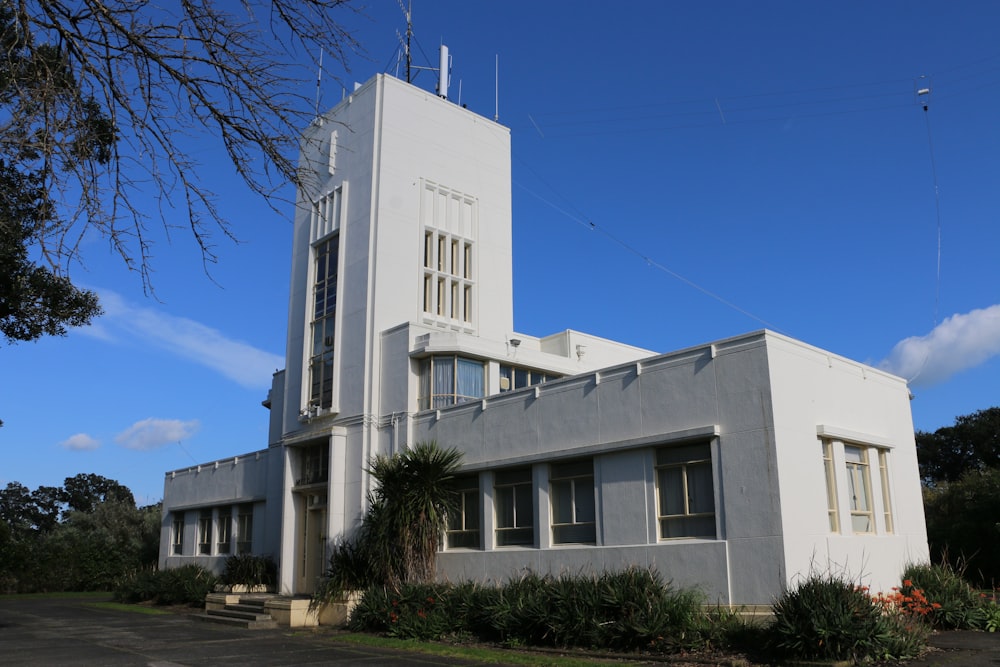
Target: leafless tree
{"x":108,"y":102}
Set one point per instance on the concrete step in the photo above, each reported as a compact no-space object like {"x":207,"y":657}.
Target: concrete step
{"x":264,"y":624}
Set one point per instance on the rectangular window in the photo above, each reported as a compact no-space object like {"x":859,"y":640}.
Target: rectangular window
{"x":428,"y":250}
{"x":456,"y":303}
{"x":177,"y":534}
{"x":468,"y":304}
{"x":205,"y":532}
{"x":314,"y":465}
{"x":225,"y":530}
{"x":883,"y":469}
{"x":463,"y":523}
{"x":831,"y":487}
{"x":441,"y":296}
{"x":515,"y":377}
{"x":455,"y":268}
{"x":244,"y":529}
{"x":573,"y":503}
{"x":447,"y":275}
{"x":324,"y":319}
{"x":447,"y":380}
{"x":686,"y":494}
{"x":859,"y":487}
{"x":467,"y":272}
{"x":514,"y":507}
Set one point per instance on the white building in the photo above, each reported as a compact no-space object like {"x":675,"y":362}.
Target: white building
{"x":735,"y":466}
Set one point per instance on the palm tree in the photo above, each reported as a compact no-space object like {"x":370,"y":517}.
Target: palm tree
{"x":416,"y":490}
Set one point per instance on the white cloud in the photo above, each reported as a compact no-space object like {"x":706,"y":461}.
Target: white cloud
{"x":240,"y":362}
{"x":80,"y":442}
{"x":961,"y":342}
{"x":152,"y":433}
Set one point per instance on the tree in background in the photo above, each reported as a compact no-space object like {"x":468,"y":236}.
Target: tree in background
{"x":98,"y":104}
{"x":960,"y":468}
{"x":84,"y":535}
{"x":972,"y":443}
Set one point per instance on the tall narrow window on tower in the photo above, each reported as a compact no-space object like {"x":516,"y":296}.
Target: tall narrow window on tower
{"x":323,"y":322}
{"x":449,"y":220}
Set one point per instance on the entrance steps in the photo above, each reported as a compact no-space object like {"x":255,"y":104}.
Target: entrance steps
{"x":246,"y":612}
{"x":268,"y":610}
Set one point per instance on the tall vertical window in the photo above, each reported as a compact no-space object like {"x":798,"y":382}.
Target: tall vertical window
{"x":324,"y":316}
{"x":463,"y":522}
{"x":205,"y":532}
{"x":177,"y":534}
{"x":244,"y":529}
{"x":686,"y":496}
{"x":883,"y":469}
{"x":859,"y":487}
{"x":225,"y":530}
{"x":831,"y":487}
{"x":515,"y":510}
{"x":449,"y":222}
{"x":573,"y":504}
{"x":314,"y":465}
{"x":448,"y":379}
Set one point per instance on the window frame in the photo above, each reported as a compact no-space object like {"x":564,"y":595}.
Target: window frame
{"x":832,"y":497}
{"x":463,"y":530}
{"x":859,"y":471}
{"x":225,"y":530}
{"x":677,"y":460}
{"x":430,"y":398}
{"x":883,"y":466}
{"x":521,"y":531}
{"x":578,"y":478}
{"x":205,"y":532}
{"x":323,"y":321}
{"x":244,"y":529}
{"x":177,"y":534}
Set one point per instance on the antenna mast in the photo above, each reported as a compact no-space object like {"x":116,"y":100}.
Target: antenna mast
{"x":408,"y":13}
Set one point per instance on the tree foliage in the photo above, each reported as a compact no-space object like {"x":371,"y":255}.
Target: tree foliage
{"x":971,"y":444}
{"x":104,"y":105}
{"x":84,"y":535}
{"x":963,"y":524}
{"x":398,"y":539}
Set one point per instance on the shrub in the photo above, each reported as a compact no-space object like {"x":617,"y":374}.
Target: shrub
{"x":188,"y":584}
{"x":829,"y":618}
{"x":249,"y":570}
{"x":626,"y":610}
{"x":958,"y":605}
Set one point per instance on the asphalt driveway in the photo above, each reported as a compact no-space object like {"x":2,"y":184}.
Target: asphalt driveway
{"x":71,"y":631}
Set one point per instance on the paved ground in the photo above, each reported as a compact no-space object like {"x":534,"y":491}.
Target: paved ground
{"x":49,"y":632}
{"x":68,"y":631}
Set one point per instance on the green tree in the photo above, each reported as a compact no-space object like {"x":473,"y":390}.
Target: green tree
{"x":398,"y":538}
{"x":971,"y":444}
{"x":85,"y":491}
{"x":963,"y":524}
{"x":99,"y":102}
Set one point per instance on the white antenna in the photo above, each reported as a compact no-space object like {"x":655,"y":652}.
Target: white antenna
{"x":496,"y":92}
{"x":443,"y":73}
{"x":319,"y":77}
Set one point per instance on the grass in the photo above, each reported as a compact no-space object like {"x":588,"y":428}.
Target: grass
{"x":474,"y":653}
{"x":91,"y":595}
{"x":131,"y":608}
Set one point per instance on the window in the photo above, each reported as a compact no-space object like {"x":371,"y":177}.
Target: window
{"x":314,"y":465}
{"x":177,"y":534}
{"x":324,"y":316}
{"x":514,"y":507}
{"x":244,"y":529}
{"x":463,"y":523}
{"x":573,"y":506}
{"x":831,"y":487}
{"x":515,"y":377}
{"x":859,"y":486}
{"x":447,"y":380}
{"x":205,"y":532}
{"x":225,"y":530}
{"x":883,"y":469}
{"x":686,"y":503}
{"x":449,"y":221}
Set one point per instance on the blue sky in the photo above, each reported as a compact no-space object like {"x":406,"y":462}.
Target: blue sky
{"x":683,"y":172}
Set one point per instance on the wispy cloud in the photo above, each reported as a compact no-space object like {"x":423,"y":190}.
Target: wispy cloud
{"x":81,"y":442}
{"x":152,"y":433}
{"x":240,"y":362}
{"x":961,"y":342}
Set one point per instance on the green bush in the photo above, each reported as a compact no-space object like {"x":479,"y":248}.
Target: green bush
{"x":961,"y":607}
{"x":828,"y":618}
{"x":188,"y":584}
{"x":626,"y":610}
{"x":249,"y":570}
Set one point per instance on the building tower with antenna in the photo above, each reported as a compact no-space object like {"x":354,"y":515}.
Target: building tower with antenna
{"x":733,"y":466}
